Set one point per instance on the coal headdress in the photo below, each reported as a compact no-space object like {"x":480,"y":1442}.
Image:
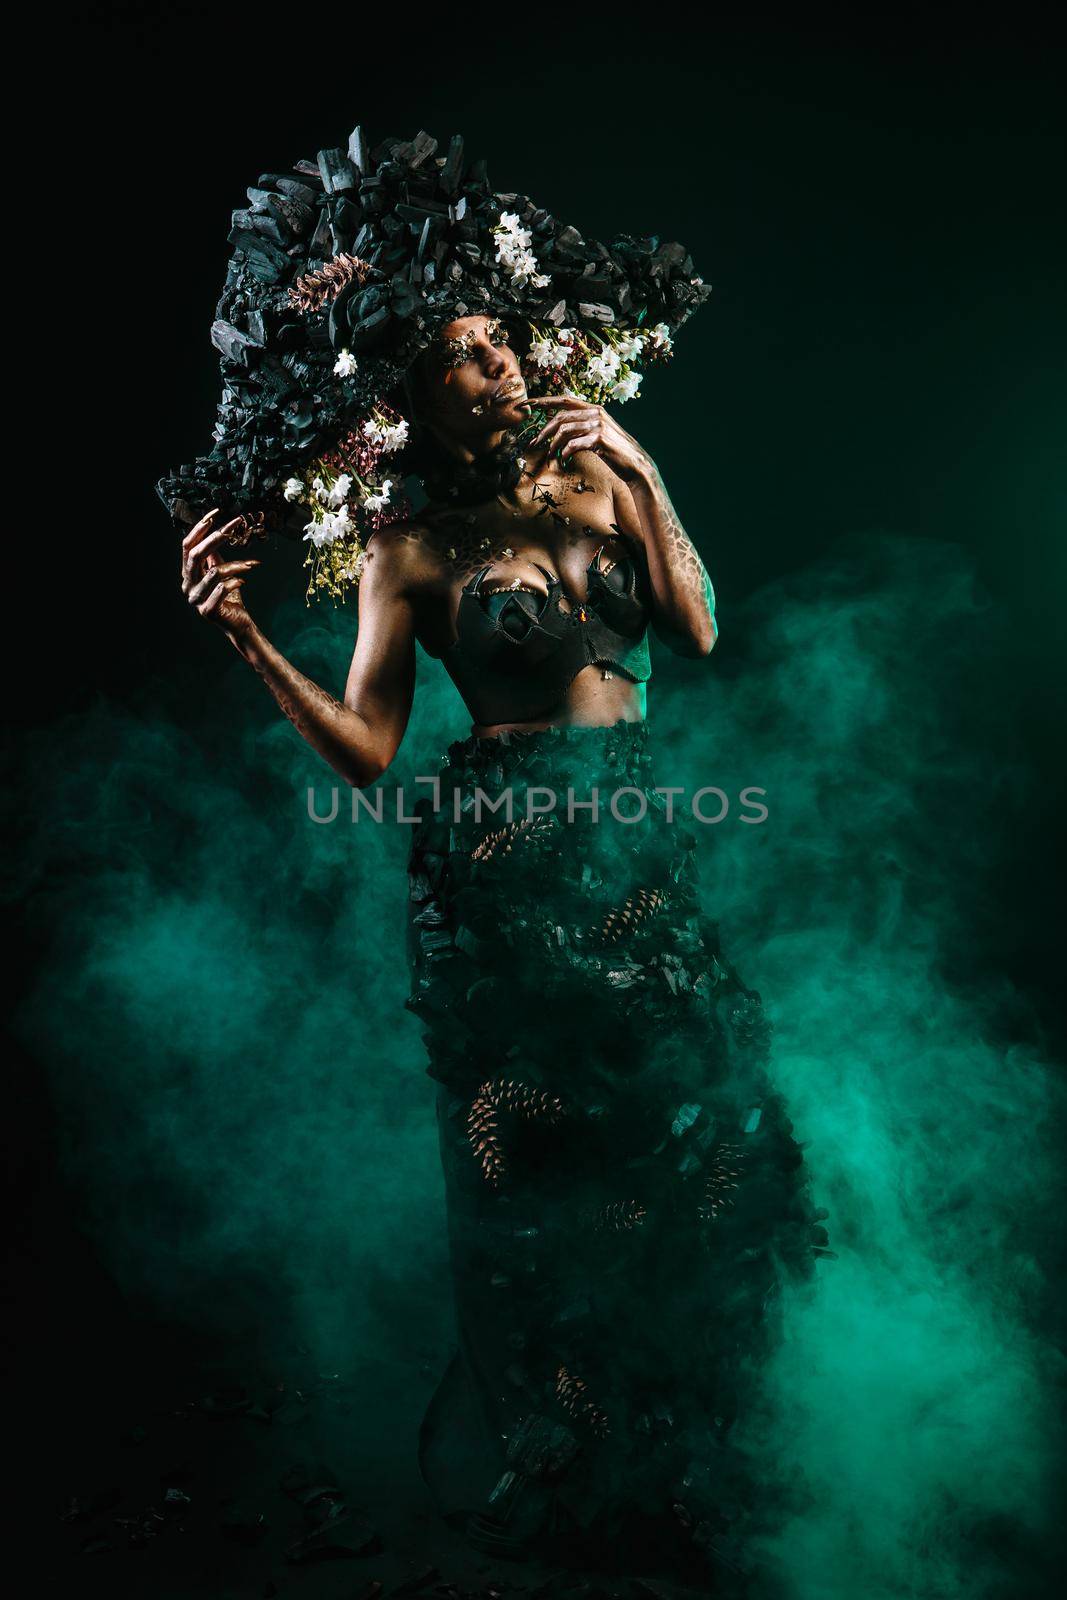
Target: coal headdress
{"x":343,"y":271}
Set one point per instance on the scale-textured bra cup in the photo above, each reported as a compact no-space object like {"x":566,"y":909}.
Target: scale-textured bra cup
{"x":504,"y":632}
{"x":517,"y":650}
{"x":613,"y":595}
{"x":514,"y":611}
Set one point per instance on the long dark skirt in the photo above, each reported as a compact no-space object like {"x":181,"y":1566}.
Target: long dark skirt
{"x":625,"y":1197}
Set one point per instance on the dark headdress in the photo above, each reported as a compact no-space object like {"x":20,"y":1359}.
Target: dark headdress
{"x":342,"y":273}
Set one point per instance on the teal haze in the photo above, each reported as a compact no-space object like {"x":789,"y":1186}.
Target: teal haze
{"x":248,"y":1128}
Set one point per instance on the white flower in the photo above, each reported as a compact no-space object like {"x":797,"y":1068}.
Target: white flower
{"x":293,"y":489}
{"x":339,"y":492}
{"x":522,"y":267}
{"x":626,"y":388}
{"x":604,"y":368}
{"x":345,"y":365}
{"x":511,"y":228}
{"x":377,"y":502}
{"x":320,"y":491}
{"x":629,"y":347}
{"x":393,"y":437}
{"x":389,"y":437}
{"x":513,"y":251}
{"x":545,"y":354}
{"x":330,"y":526}
{"x":661,"y":337}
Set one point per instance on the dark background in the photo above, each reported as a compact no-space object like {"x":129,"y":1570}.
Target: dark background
{"x":879,"y":217}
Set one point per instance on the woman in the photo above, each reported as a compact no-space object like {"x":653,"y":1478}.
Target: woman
{"x":624,"y":1194}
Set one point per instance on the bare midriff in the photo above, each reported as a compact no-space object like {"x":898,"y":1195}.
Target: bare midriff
{"x":597,"y":698}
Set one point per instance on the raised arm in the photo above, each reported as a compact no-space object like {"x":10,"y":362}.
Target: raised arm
{"x":683,"y":598}
{"x":359,"y":735}
{"x":684,"y":614}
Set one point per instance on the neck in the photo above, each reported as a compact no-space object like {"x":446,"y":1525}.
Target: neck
{"x":469,"y":453}
{"x":465,"y":476}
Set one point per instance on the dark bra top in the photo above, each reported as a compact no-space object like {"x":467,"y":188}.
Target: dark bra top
{"x":517,"y":651}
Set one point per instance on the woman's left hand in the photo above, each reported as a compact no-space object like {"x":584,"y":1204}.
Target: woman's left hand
{"x":575,"y":424}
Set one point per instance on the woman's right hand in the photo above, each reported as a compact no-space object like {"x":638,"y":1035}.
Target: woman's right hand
{"x":213,"y":585}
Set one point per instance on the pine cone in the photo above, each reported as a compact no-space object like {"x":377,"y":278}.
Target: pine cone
{"x":720,"y":1181}
{"x":571,"y":1394}
{"x":316,"y":289}
{"x":748,"y":1022}
{"x":499,"y":1095}
{"x":623,"y":921}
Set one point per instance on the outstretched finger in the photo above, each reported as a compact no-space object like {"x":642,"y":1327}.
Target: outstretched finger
{"x":219,"y":536}
{"x":193,"y":558}
{"x":221,"y":569}
{"x":568,"y":399}
{"x":215,"y":575}
{"x":200,"y":528}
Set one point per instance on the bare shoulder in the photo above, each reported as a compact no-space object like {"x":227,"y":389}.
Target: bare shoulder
{"x":400,"y":557}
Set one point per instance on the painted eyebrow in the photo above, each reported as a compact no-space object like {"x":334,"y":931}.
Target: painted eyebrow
{"x":455,"y":351}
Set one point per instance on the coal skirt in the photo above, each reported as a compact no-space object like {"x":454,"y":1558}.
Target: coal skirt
{"x":625,"y":1196}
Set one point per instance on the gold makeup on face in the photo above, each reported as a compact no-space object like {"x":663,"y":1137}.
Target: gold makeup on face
{"x":454,"y":352}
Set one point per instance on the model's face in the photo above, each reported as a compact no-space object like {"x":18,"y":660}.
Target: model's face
{"x":474,"y":387}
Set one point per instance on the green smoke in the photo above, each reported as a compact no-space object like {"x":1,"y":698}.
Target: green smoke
{"x":247,"y":1124}
{"x":241,"y":1092}
{"x":910,"y":1402}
